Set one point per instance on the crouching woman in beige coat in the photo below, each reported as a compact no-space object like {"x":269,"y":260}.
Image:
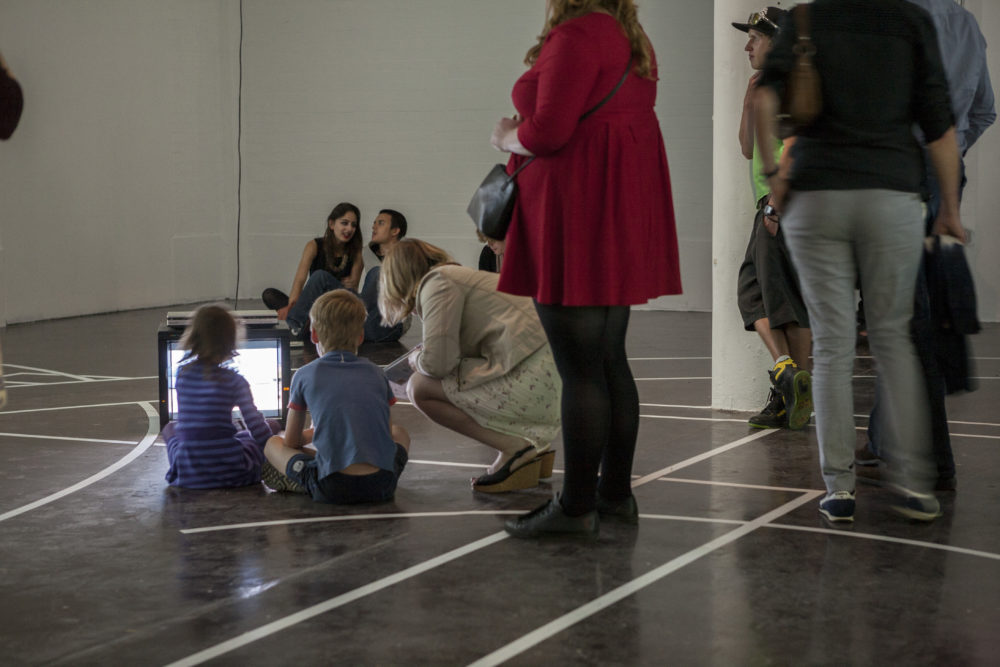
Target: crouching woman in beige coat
{"x":484,"y":368}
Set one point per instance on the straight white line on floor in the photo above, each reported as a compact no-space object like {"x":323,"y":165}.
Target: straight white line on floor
{"x":596,"y":605}
{"x":668,"y":405}
{"x":668,"y":358}
{"x":15,"y":385}
{"x":339,"y":601}
{"x":44,"y":371}
{"x":70,"y":407}
{"x":701,"y":457}
{"x":737,"y":420}
{"x":61,"y":437}
{"x":736,"y":485}
{"x":144,"y":444}
{"x":305,"y":614}
{"x":709,"y":377}
{"x":347,"y":517}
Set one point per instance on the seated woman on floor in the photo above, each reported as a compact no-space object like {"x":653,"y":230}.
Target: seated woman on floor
{"x":327,"y":263}
{"x":484,"y":368}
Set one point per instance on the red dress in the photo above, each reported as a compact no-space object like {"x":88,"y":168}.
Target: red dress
{"x":594,"y":220}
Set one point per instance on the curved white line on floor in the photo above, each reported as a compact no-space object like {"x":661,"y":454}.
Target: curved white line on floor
{"x":144,"y":444}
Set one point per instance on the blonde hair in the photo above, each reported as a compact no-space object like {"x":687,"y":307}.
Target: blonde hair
{"x":624,"y":11}
{"x":211,"y":336}
{"x":338,"y":318}
{"x":403,"y":268}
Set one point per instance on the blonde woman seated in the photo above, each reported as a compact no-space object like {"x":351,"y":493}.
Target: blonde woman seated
{"x":484,"y":369}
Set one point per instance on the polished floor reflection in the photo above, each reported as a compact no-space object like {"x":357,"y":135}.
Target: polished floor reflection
{"x":102,"y":563}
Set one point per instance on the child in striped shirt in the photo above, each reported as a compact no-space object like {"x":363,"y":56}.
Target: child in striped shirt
{"x":204,"y":448}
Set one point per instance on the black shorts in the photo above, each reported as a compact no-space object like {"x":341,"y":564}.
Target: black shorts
{"x":768,"y":285}
{"x":340,"y":489}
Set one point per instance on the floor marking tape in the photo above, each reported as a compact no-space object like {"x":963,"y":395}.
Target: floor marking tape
{"x":62,"y":437}
{"x":333,"y":603}
{"x":556,"y":626}
{"x":144,"y":444}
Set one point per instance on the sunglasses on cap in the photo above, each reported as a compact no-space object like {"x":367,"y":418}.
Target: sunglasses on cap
{"x":761,"y":17}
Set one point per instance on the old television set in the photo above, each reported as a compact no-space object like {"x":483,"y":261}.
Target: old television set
{"x":262,"y":357}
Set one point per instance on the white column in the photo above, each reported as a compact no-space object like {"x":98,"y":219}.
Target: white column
{"x":739,"y":359}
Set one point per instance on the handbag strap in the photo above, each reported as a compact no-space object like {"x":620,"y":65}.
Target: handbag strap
{"x":804,"y":44}
{"x":621,"y":82}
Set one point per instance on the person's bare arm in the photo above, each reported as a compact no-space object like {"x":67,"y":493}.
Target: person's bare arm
{"x":944,"y":157}
{"x":747,"y":127}
{"x":354,"y":279}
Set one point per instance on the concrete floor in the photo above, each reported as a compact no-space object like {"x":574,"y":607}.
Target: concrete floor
{"x":102,"y":563}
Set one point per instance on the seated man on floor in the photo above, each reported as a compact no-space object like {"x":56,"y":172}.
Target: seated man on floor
{"x":389,"y":226}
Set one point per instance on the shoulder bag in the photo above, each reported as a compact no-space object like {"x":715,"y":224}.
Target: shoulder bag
{"x":493,"y":203}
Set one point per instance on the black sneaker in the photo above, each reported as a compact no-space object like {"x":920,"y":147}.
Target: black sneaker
{"x":915,"y":505}
{"x":838,"y":506}
{"x":773,"y":415}
{"x":795,"y":386}
{"x":274,"y":299}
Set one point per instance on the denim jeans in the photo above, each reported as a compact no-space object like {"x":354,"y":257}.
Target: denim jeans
{"x":321,"y":282}
{"x":836,"y":236}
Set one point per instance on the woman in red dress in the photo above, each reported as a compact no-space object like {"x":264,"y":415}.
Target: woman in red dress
{"x":593,"y":233}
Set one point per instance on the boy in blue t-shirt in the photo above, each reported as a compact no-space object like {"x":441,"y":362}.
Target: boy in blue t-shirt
{"x":360,"y":453}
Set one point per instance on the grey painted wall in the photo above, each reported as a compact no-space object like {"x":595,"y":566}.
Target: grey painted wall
{"x":119,"y":190}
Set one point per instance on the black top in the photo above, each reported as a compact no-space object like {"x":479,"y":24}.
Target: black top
{"x":319,"y":262}
{"x":881,"y":72}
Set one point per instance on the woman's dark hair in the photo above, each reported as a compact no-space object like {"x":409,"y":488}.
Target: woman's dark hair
{"x":211,"y":336}
{"x":335,"y":253}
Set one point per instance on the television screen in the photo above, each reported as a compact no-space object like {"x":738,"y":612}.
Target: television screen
{"x":262,"y":358}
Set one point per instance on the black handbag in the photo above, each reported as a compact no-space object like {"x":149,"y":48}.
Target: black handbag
{"x":493,"y":203}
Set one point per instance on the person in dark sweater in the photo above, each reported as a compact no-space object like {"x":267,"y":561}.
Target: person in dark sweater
{"x":851,"y":210}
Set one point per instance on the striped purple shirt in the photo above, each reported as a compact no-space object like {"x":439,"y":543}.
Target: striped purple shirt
{"x":206,"y":451}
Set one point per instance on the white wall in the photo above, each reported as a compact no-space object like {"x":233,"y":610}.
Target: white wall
{"x":118,"y":188}
{"x":981,"y":201}
{"x":390,"y":103}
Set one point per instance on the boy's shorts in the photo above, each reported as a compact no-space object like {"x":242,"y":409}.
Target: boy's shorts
{"x":340,"y":489}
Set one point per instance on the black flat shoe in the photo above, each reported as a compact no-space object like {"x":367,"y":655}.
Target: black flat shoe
{"x":551,"y":520}
{"x":505,"y":479}
{"x":625,"y":511}
{"x":274,"y":299}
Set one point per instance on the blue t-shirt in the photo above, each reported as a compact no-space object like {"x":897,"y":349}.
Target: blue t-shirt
{"x":349,"y":401}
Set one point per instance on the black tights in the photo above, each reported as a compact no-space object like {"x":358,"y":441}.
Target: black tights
{"x":600,"y":403}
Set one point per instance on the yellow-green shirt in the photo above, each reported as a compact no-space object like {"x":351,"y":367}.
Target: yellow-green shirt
{"x":757,"y":180}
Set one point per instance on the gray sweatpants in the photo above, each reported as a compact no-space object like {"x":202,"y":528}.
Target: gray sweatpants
{"x":834,"y":236}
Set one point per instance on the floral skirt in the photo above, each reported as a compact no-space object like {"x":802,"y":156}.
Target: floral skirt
{"x":524,"y":403}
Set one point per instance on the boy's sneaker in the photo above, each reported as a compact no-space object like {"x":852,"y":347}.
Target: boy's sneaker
{"x":773,"y":415}
{"x":915,"y":505}
{"x":838,"y":506}
{"x":278,"y":482}
{"x":795,"y":386}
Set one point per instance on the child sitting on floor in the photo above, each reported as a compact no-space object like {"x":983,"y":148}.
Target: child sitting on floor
{"x":359,"y":452}
{"x":204,"y":448}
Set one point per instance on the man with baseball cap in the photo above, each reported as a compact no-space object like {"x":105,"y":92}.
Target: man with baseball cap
{"x":767,"y":287}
